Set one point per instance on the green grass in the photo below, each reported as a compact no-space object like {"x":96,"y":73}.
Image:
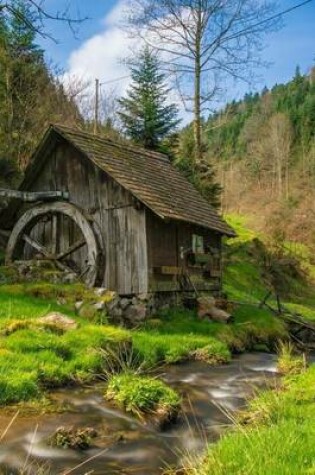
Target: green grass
{"x":142,"y":394}
{"x":242,"y":277}
{"x":279,"y":439}
{"x":178,"y":334}
{"x":241,"y":224}
{"x":34,"y":357}
{"x":289,"y":362}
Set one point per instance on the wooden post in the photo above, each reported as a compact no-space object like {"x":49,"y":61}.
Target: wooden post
{"x":279,"y":304}
{"x":264,"y":300}
{"x":96,"y":106}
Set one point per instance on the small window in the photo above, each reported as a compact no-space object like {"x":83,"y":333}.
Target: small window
{"x":198,"y":244}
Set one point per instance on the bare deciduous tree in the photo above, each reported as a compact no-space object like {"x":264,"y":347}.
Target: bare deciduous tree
{"x":269,"y":151}
{"x":280,"y":143}
{"x":41,"y":15}
{"x":204,"y":41}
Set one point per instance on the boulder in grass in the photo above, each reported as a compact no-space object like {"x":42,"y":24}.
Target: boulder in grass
{"x":218,"y":315}
{"x":135,"y":314}
{"x":205,"y":305}
{"x":207,"y":309}
{"x":88,"y":310}
{"x":59,"y":321}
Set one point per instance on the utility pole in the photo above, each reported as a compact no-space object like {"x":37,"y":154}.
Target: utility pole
{"x":96,"y":107}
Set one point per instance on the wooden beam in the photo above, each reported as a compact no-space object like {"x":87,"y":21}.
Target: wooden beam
{"x":74,"y":247}
{"x":39,"y":247}
{"x":168,"y":270}
{"x":33,"y":196}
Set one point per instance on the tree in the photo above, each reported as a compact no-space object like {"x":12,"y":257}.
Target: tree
{"x":280,"y":143}
{"x":146,"y":115}
{"x":39,"y":13}
{"x":30,"y":96}
{"x":203,"y":42}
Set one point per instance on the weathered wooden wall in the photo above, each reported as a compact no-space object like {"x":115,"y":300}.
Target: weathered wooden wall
{"x":165,"y":240}
{"x":119,"y":225}
{"x":135,"y":243}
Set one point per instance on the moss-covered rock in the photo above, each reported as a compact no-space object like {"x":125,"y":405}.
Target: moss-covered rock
{"x":71,"y":438}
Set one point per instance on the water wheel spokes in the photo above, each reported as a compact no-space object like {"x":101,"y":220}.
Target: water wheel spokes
{"x":74,"y":247}
{"x":70,"y":243}
{"x":37,"y":246}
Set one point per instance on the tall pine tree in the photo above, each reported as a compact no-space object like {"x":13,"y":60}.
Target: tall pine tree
{"x":146,"y":115}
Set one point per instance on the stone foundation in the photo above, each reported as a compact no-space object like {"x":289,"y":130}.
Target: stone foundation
{"x":127,"y":310}
{"x":99,"y":303}
{"x":132,"y":310}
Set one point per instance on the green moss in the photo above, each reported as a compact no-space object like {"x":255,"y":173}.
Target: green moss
{"x":17,"y":386}
{"x":70,"y":438}
{"x":44,"y":357}
{"x":9,"y":275}
{"x":139,"y":394}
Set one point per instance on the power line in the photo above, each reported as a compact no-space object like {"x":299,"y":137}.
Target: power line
{"x":236,"y":35}
{"x":273,"y":17}
{"x":114,"y":80}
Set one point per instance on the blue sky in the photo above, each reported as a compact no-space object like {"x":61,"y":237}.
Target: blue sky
{"x":99,"y":46}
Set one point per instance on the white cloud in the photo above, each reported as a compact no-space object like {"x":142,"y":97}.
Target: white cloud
{"x":102,"y":56}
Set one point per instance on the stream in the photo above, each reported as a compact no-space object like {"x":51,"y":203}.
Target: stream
{"x":210,"y":395}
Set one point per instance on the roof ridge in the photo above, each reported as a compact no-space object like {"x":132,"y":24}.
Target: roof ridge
{"x":149,"y":153}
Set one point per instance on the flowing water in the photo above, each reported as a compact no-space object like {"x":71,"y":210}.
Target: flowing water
{"x":126,"y":446}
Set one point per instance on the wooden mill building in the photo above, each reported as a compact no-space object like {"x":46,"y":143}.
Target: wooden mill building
{"x":120,"y":216}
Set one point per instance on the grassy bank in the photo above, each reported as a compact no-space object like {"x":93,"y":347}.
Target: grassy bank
{"x":36,"y":357}
{"x":254,"y":261}
{"x":278,"y":437}
{"x":178,"y":335}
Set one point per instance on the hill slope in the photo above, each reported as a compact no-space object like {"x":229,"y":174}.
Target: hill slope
{"x":262,"y":149}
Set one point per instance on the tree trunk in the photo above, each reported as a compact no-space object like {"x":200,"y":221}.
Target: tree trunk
{"x":197,"y":95}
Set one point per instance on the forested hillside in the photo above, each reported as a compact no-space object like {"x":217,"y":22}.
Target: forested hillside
{"x":263,"y":151}
{"x":30,"y":95}
{"x":259,"y":152}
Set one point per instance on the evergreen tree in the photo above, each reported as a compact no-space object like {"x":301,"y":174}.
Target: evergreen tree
{"x":146,"y":116}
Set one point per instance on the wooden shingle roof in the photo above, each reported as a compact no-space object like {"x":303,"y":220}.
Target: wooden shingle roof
{"x":149,"y":176}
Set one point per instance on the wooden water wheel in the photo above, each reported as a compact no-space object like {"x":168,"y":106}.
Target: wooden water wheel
{"x":58,"y":232}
